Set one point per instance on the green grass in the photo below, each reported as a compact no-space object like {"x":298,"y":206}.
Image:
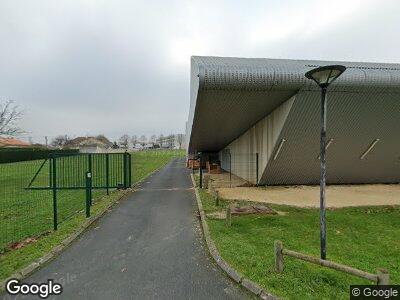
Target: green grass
{"x":26,"y":214}
{"x":366,"y":238}
{"x":144,"y":162}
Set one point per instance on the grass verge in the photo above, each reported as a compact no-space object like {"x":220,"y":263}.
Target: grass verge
{"x":366,"y":238}
{"x":143,"y":162}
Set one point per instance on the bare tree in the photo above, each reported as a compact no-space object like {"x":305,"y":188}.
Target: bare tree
{"x":153,"y":139}
{"x":124,"y":141}
{"x":180,"y":139}
{"x":143,"y":139}
{"x":60,"y":141}
{"x":170,"y":139}
{"x":134,"y":139}
{"x":9,"y":115}
{"x":160,"y":139}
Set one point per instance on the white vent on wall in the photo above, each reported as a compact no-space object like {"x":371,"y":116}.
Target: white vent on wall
{"x":369,"y":149}
{"x":326,"y":147}
{"x":279,"y":148}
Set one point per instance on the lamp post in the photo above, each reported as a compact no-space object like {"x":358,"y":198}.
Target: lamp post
{"x":324,"y":76}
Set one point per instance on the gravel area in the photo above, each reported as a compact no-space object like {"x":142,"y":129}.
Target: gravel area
{"x":308,"y":196}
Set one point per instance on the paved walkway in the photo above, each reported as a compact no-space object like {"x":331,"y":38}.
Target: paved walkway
{"x":148,"y":247}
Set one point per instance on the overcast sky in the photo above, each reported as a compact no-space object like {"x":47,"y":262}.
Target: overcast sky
{"x":115,"y":67}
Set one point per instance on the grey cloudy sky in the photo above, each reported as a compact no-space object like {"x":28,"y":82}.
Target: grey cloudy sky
{"x":115,"y":67}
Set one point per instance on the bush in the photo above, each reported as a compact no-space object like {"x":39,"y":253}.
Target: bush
{"x":8,"y":155}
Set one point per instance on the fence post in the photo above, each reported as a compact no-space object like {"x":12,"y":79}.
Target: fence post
{"x":201,"y":173}
{"x":125,"y":170}
{"x":88,"y":193}
{"x":216,"y":198}
{"x":256,"y":168}
{"x":230,"y":169}
{"x":50,"y":173}
{"x":130,"y":170}
{"x":383,"y":277}
{"x":278,"y":256}
{"x":90,"y":167}
{"x":108,"y":173}
{"x":54,"y":186}
{"x":228,"y":220}
{"x":90,"y":162}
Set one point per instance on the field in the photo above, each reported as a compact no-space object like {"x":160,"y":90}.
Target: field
{"x":25,"y":213}
{"x":364,"y":237}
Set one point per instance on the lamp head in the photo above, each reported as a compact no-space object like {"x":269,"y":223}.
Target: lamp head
{"x":325,"y":75}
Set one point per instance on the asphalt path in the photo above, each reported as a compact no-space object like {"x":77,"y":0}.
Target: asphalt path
{"x":149,"y":246}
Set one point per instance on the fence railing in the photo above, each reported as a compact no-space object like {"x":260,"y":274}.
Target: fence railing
{"x":38,"y":195}
{"x":381,"y":278}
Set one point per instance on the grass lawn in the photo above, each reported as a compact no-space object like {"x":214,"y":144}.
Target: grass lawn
{"x":366,"y":238}
{"x":23,"y":216}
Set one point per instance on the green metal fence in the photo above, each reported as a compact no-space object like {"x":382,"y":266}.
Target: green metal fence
{"x":36,"y":196}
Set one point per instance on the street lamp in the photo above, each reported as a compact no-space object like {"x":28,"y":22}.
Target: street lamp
{"x":324,"y":76}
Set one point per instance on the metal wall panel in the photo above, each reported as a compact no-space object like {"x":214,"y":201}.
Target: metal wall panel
{"x":354,"y":121}
{"x":261,"y":139}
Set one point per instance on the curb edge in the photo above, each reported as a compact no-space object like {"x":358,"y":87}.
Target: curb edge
{"x":249,"y":285}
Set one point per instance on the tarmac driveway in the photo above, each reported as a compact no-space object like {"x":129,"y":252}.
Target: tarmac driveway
{"x":148,"y":247}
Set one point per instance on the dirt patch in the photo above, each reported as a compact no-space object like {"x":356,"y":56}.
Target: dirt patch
{"x":253,"y":209}
{"x":308,"y":196}
{"x":243,"y":210}
{"x":225,"y":180}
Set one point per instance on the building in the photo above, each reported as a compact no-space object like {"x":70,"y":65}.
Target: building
{"x":90,"y":144}
{"x":261,"y":119}
{"x":8,"y":142}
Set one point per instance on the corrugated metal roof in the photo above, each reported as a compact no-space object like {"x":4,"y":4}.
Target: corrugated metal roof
{"x":229,"y":95}
{"x":265,"y":74}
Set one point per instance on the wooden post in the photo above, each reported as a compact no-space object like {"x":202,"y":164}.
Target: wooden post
{"x":278,"y":257}
{"x":216,"y":198}
{"x":228,"y":220}
{"x":383,"y":277}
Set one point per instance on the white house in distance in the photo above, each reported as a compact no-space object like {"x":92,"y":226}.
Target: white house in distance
{"x":89,"y":144}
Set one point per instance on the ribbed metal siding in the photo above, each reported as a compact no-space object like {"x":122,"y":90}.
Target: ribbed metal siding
{"x":355,"y":120}
{"x":261,"y":139}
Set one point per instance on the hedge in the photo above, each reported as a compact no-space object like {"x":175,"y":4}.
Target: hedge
{"x":9,"y":155}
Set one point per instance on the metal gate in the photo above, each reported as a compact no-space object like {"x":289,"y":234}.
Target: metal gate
{"x":82,"y":172}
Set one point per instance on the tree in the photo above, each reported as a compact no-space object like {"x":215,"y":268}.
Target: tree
{"x":180,"y":139}
{"x":60,"y":141}
{"x":169,"y":141}
{"x":160,"y":139}
{"x":153,"y":139}
{"x":143,"y":139}
{"x":134,"y":140}
{"x":124,"y":141}
{"x":9,"y":115}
